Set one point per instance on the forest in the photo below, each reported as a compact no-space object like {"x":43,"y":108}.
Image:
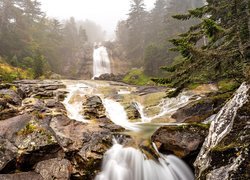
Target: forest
{"x":124,"y":90}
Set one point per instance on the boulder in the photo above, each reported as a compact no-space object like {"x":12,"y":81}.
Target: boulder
{"x":93,"y":108}
{"x":225,"y":152}
{"x":7,"y":152}
{"x":200,"y":110}
{"x":21,"y":176}
{"x":56,"y":168}
{"x":181,"y":140}
{"x":31,"y":142}
{"x":10,"y":96}
{"x":84,"y":144}
{"x":132,"y":112}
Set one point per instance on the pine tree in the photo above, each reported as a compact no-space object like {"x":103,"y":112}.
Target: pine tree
{"x":225,"y":25}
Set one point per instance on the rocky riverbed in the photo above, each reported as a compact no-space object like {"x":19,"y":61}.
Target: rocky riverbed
{"x":40,"y":141}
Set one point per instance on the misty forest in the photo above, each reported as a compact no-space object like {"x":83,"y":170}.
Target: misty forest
{"x":162,"y":95}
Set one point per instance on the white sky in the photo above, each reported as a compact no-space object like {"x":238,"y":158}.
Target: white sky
{"x":104,"y":12}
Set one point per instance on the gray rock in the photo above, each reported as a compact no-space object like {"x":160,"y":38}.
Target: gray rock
{"x":21,"y":176}
{"x":93,"y":108}
{"x":182,"y":140}
{"x":225,"y":152}
{"x":54,"y":169}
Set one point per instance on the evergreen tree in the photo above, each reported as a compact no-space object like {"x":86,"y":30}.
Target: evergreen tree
{"x":225,"y":25}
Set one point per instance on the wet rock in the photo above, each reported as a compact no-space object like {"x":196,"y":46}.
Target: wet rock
{"x":181,"y":140}
{"x":132,"y":112}
{"x":29,"y":137}
{"x":200,"y":110}
{"x":10,"y":96}
{"x":93,"y":108}
{"x":54,"y":169}
{"x":7,"y":152}
{"x":84,"y":144}
{"x":21,"y":176}
{"x":110,"y":77}
{"x":225,"y":152}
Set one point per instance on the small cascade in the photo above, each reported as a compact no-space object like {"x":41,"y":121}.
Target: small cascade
{"x":168,"y":106}
{"x":101,"y":62}
{"x":73,"y":101}
{"x":117,"y":114}
{"x":127,"y":163}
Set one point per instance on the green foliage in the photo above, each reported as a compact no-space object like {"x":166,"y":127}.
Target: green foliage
{"x":9,"y":73}
{"x":213,"y":49}
{"x":137,"y":77}
{"x":228,"y":85}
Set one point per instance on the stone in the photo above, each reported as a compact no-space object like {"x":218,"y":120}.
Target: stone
{"x":93,"y":108}
{"x":225,"y":152}
{"x":181,"y":140}
{"x":56,"y":168}
{"x":132,"y":112}
{"x":200,"y":110}
{"x":84,"y":143}
{"x":7,"y":152}
{"x":21,"y":176}
{"x":10,"y":96}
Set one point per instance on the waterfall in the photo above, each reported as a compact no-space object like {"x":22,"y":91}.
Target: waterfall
{"x":127,"y":163}
{"x":101,"y":62}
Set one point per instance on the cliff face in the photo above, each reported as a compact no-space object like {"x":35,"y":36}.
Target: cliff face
{"x":119,"y":62}
{"x":225,"y":152}
{"x":80,"y":64}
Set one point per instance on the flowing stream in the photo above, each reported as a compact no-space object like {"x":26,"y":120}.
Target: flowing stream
{"x":101,"y":62}
{"x":129,"y":163}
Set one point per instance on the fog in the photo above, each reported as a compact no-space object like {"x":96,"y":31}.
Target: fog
{"x":104,"y":12}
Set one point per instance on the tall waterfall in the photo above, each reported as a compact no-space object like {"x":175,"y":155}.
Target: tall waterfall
{"x":101,"y":62}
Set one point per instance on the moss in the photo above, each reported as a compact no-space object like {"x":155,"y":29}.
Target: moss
{"x":227,"y":85}
{"x":222,"y":148}
{"x":29,"y":128}
{"x":137,"y":77}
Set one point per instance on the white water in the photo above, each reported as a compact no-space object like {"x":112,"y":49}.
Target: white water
{"x":117,"y":114}
{"x":73,"y":101}
{"x":101,"y":63}
{"x":168,"y":106}
{"x":128,"y":163}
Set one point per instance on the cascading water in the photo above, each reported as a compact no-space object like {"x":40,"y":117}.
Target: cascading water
{"x":73,"y":101}
{"x":127,"y":163}
{"x":101,"y":62}
{"x":117,"y":114}
{"x":167,"y":106}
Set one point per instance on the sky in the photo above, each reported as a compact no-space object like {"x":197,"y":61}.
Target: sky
{"x":104,"y":12}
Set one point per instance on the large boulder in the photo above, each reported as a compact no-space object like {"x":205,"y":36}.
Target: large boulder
{"x":26,"y":140}
{"x":225,"y":152}
{"x":181,"y":140}
{"x":93,"y":108}
{"x":200,"y":110}
{"x":84,"y":144}
{"x":56,"y":168}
